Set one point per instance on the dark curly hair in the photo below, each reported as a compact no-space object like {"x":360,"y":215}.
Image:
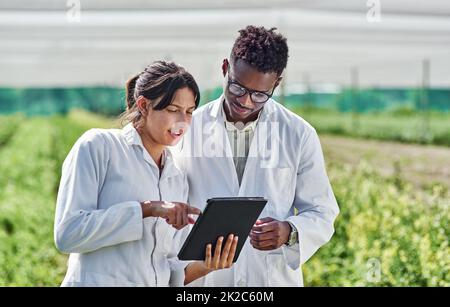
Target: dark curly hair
{"x":264,"y":49}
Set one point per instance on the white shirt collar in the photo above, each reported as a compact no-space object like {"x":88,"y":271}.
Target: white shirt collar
{"x":131,"y":135}
{"x":133,"y":138}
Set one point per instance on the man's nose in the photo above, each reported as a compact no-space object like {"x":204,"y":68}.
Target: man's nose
{"x":246,"y":101}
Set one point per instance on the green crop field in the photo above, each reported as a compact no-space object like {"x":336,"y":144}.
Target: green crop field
{"x":407,"y":127}
{"x":392,"y":231}
{"x":31,"y":156}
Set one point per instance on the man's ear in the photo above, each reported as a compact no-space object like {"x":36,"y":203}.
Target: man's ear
{"x":142,"y":105}
{"x":278,"y":82}
{"x":225,"y":64}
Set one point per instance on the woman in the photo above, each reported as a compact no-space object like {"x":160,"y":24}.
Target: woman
{"x":122,"y":200}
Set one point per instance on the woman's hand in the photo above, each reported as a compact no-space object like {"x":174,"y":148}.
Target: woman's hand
{"x":175,"y":213}
{"x":222,"y":259}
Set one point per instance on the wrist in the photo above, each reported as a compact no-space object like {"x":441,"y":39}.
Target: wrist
{"x":148,"y":208}
{"x":289,"y":230}
{"x":292,"y":235}
{"x":195,"y":270}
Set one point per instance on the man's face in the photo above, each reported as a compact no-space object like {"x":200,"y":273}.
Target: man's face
{"x":243,"y":108}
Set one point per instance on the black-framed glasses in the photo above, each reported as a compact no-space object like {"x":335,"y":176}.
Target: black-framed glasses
{"x":238,"y":90}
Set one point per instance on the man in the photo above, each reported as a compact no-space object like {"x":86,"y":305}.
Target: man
{"x":246,"y":144}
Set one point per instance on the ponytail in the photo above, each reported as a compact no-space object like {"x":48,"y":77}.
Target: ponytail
{"x":131,"y":113}
{"x":130,"y":89}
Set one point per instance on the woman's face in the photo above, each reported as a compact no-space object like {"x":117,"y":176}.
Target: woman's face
{"x":167,"y":126}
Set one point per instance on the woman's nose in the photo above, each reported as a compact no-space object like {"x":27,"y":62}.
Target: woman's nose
{"x":185,"y":118}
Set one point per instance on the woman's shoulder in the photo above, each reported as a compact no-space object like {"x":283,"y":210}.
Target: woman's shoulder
{"x":98,"y":135}
{"x":94,"y":145}
{"x":99,"y":138}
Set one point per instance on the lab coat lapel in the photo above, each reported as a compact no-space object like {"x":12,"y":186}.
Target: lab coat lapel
{"x":258,"y":143}
{"x":134,"y":139}
{"x":223,"y":143}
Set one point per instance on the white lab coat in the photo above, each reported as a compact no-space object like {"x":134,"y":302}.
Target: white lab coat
{"x":99,"y":218}
{"x":286,"y":166}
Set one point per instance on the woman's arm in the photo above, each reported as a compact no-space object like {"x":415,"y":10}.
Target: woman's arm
{"x":79,"y":225}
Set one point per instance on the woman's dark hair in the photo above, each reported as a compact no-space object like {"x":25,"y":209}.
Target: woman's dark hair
{"x":264,"y":49}
{"x":158,"y":82}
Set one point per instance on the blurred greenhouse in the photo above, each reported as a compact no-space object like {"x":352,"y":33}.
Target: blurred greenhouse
{"x":373,"y":77}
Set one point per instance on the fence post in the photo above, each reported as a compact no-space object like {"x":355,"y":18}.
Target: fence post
{"x":282,"y":99}
{"x":425,"y":100}
{"x":354,"y":76}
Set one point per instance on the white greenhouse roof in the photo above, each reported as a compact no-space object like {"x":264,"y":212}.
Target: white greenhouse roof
{"x":41,"y":44}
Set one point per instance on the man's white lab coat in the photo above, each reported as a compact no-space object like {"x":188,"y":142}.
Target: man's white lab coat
{"x":286,"y":166}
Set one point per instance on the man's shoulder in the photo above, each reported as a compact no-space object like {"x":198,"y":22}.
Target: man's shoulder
{"x":207,"y":108}
{"x":290,"y":119}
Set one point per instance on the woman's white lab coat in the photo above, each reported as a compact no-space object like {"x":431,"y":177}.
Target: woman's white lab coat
{"x":99,"y":218}
{"x":286,"y":166}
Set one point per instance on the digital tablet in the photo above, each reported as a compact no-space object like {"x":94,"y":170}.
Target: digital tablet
{"x":221,"y":217}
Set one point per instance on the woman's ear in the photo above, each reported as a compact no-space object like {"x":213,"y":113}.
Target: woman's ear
{"x":142,"y":104}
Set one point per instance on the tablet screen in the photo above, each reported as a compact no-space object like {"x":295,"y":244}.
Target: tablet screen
{"x":221,"y":217}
